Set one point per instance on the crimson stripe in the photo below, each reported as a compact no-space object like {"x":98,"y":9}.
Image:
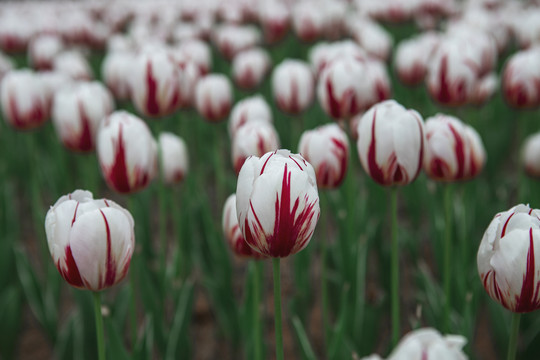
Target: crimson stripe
{"x":506,"y":224}
{"x":110,"y":265}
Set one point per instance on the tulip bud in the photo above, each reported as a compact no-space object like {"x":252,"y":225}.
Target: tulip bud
{"x":391,"y":143}
{"x":412,"y":57}
{"x":326,"y":148}
{"x":74,"y":64}
{"x":24,"y":99}
{"x":232,"y":231}
{"x":77,"y":112}
{"x":199,"y":52}
{"x":478,"y":152}
{"x":521,"y":76}
{"x":256,"y":137}
{"x":116,"y":73}
{"x":173,"y":158}
{"x":91,"y":241}
{"x":254,"y":107}
{"x":371,"y":36}
{"x":531,"y":155}
{"x":293,"y":86}
{"x":249,"y":67}
{"x":427,"y":344}
{"x":231,"y":39}
{"x":213,"y":97}
{"x":42,"y":51}
{"x":485,"y":88}
{"x":274,"y":19}
{"x":127,"y":152}
{"x":308,"y":21}
{"x":277,"y":203}
{"x":154,"y":85}
{"x":507,"y":261}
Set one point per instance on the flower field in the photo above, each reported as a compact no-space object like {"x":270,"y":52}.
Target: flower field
{"x":367,"y":250}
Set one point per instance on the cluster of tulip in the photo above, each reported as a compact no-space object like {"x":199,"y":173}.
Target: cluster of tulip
{"x":158,"y":59}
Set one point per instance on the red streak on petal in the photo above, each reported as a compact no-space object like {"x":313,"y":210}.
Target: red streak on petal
{"x":333,"y":104}
{"x":71,"y":272}
{"x":110,"y":270}
{"x":374,"y":170}
{"x":528,"y":300}
{"x":74,"y":214}
{"x":152,"y":106}
{"x":444,"y":95}
{"x":117,"y":174}
{"x":296,"y":162}
{"x":266,"y":162}
{"x":459,"y":149}
{"x":506,"y":224}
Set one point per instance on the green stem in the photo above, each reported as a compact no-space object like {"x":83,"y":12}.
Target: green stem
{"x":277,"y":308}
{"x":324,"y":289}
{"x":163,"y":231}
{"x":394,"y":280}
{"x":133,"y":307}
{"x":99,"y":326}
{"x":514,"y":331}
{"x":447,"y":254}
{"x":257,"y":331}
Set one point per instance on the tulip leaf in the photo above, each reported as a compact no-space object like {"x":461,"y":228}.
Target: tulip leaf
{"x":182,"y":314}
{"x":115,"y":346}
{"x":64,"y":346}
{"x":10,"y":320}
{"x":305,"y":346}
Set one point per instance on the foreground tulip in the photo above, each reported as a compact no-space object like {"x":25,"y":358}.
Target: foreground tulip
{"x":91,"y":241}
{"x":77,"y":112}
{"x":531,"y":155}
{"x":427,"y":344}
{"x":254,"y":138}
{"x":508,"y":263}
{"x":213,"y":97}
{"x":173,"y":158}
{"x":391,"y":143}
{"x":293,"y":86}
{"x":127,"y":152}
{"x":232,"y":231}
{"x":326,"y":148}
{"x":24,"y":100}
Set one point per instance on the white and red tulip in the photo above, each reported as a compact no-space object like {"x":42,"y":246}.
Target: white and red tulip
{"x":91,"y":241}
{"x":116,"y":73}
{"x":232,"y":232}
{"x":531,"y":155}
{"x":213,"y":97}
{"x":174,"y":159}
{"x":391,"y":143}
{"x":251,"y":108}
{"x":293,"y":86}
{"x":412,"y":57}
{"x":43,"y":49}
{"x":254,"y":138}
{"x":277,"y":203}
{"x":249,"y":67}
{"x":73,"y":64}
{"x":521,"y":79}
{"x":231,"y":39}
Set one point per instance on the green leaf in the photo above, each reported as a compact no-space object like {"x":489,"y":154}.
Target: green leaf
{"x":10,"y":320}
{"x":115,"y":345}
{"x":305,"y":346}
{"x":182,"y":315}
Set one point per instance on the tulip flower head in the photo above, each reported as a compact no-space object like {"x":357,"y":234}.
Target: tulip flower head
{"x":232,"y":231}
{"x":508,"y":259}
{"x":255,"y":138}
{"x":249,"y":67}
{"x":116,"y":73}
{"x":213,"y":97}
{"x":477,"y":154}
{"x":254,"y":107}
{"x":521,"y":79}
{"x":531,"y":155}
{"x":43,"y":49}
{"x":173,"y":158}
{"x":326,"y":148}
{"x":277,"y":203}
{"x":293,"y":86}
{"x":127,"y":152}
{"x":91,"y":241}
{"x":391,"y":143}
{"x":74,"y":64}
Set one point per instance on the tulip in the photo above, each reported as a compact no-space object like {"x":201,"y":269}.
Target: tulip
{"x":189,"y":74}
{"x":116,"y":73}
{"x":25,"y":104}
{"x":6,"y":65}
{"x":323,"y":54}
{"x":274,"y":19}
{"x":91,"y":241}
{"x":277,"y":203}
{"x":232,"y":231}
{"x":521,"y":79}
{"x":174,"y":158}
{"x":42,"y":50}
{"x":412,"y":57}
{"x":231,"y":39}
{"x":254,"y":107}
{"x":293,"y":86}
{"x":477,"y":154}
{"x":485,"y":88}
{"x":127,"y":152}
{"x":371,"y":36}
{"x":155,"y":84}
{"x":326,"y":148}
{"x":427,"y":344}
{"x":199,"y":52}
{"x":308,"y":21}
{"x":74,"y":64}
{"x":249,"y":67}
{"x":213,"y":97}
{"x":391,"y":143}
{"x":254,"y":138}
{"x":531,"y":155}
{"x":507,"y":257}
{"x":77,"y":112}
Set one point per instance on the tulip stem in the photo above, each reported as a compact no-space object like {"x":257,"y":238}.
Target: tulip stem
{"x":99,"y":326}
{"x":277,"y":308}
{"x":163,"y":232}
{"x":447,"y":253}
{"x":257,"y":331}
{"x":394,"y":268}
{"x":514,"y":331}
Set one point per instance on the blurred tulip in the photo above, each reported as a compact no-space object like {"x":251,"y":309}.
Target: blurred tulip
{"x":232,"y":231}
{"x":507,"y":259}
{"x":91,"y":241}
{"x":274,"y":19}
{"x":427,"y":344}
{"x":521,"y":79}
{"x":231,"y":39}
{"x":127,"y":152}
{"x":326,"y":148}
{"x":174,"y":159}
{"x":448,"y":155}
{"x":412,"y":57}
{"x":6,"y":65}
{"x":323,"y":54}
{"x":249,"y":67}
{"x":277,"y":203}
{"x":116,"y":73}
{"x":250,"y":108}
{"x":391,"y":143}
{"x":293,"y":86}
{"x":24,"y":99}
{"x":478,"y":152}
{"x":77,"y":112}
{"x":197,"y":51}
{"x":14,"y":33}
{"x":485,"y":88}
{"x":42,"y":51}
{"x":530,"y":154}
{"x":155,"y":88}
{"x":74,"y":64}
{"x":254,"y":138}
{"x":308,"y":21}
{"x":213,"y":97}
{"x":371,"y":36}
